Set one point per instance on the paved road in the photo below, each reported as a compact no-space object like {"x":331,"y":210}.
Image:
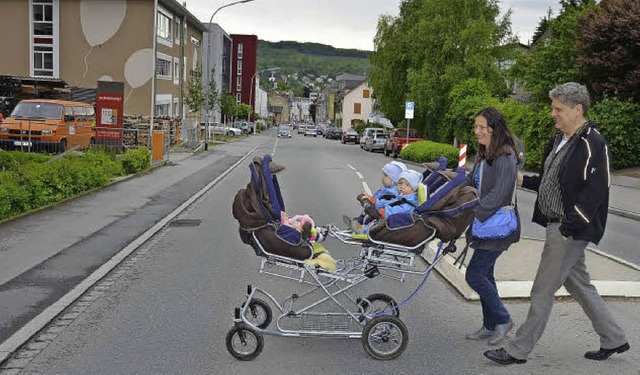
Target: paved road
{"x":168,"y":308}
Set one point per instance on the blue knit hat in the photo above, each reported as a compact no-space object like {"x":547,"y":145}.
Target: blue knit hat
{"x":412,"y":177}
{"x":393,"y":170}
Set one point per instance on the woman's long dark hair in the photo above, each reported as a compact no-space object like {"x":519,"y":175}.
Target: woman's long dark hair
{"x":501,"y":139}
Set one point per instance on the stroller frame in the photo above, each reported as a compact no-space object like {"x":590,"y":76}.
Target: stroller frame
{"x":374,"y":319}
{"x":328,"y":306}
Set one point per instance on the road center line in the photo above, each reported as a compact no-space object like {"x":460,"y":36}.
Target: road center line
{"x":360,"y":176}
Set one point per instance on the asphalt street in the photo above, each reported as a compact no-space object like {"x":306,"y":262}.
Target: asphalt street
{"x":167,"y":308}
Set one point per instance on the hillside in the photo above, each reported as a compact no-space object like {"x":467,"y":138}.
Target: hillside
{"x":311,"y":59}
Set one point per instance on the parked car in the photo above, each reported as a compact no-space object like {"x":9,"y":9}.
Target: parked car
{"x":302,"y":128}
{"x":368,"y":133}
{"x":284,"y":131}
{"x":221,"y":129}
{"x":49,"y":125}
{"x":351,"y":136}
{"x":311,"y":131}
{"x":334,"y":133}
{"x":376,"y":142}
{"x":245,"y":127}
{"x":398,"y":139}
{"x":319,"y":130}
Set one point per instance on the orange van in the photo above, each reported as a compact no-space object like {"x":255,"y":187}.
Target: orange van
{"x":48,"y":125}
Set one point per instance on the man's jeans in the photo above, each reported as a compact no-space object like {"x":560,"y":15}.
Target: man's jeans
{"x":480,"y":278}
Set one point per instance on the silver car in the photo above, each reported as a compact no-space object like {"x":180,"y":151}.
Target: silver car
{"x":375,"y":142}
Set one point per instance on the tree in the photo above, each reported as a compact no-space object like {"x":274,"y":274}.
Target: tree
{"x":312,"y":111}
{"x":194,"y":97}
{"x":431,"y":46}
{"x":211,"y":95}
{"x":543,"y":26}
{"x":242,"y":110}
{"x":608,"y":48}
{"x":552,"y":61}
{"x":228,"y":106}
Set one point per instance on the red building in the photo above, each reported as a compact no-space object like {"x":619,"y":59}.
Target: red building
{"x":243,"y":68}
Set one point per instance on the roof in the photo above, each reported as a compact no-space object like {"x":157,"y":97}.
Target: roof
{"x":356,"y":86}
{"x":178,"y":9}
{"x":54,"y":101}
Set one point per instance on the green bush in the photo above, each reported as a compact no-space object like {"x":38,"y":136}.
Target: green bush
{"x":619,"y":123}
{"x":27,"y":181}
{"x":427,"y":151}
{"x":136,"y":160}
{"x":533,"y":125}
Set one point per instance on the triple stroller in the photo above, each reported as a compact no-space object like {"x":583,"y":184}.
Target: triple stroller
{"x":327,"y":303}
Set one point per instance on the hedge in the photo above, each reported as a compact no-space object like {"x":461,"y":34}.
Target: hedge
{"x":428,"y":151}
{"x":31,"y":180}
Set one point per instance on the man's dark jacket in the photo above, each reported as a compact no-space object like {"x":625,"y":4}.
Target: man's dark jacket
{"x":585,"y":179}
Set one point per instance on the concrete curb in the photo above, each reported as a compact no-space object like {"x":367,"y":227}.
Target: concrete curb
{"x":21,"y":337}
{"x":521,"y":289}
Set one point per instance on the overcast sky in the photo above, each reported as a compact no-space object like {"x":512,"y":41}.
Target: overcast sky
{"x":340,"y":23}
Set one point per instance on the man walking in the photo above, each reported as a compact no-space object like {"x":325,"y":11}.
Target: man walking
{"x":572,"y":203}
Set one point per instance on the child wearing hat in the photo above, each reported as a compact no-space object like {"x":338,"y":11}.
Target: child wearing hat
{"x":406,"y":201}
{"x":388,"y":193}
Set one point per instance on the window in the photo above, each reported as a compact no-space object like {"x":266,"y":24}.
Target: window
{"x":240,"y":48}
{"x":357,"y":108}
{"x":176,"y":70}
{"x":44,"y":24}
{"x":164,"y":26}
{"x":176,"y":107}
{"x":238,"y":97}
{"x":91,"y":114}
{"x":177,"y":31}
{"x":163,"y":105}
{"x":239,"y":70}
{"x":365,"y":93}
{"x":163,"y":110}
{"x":239,"y":83}
{"x":163,"y":66}
{"x":80,"y":113}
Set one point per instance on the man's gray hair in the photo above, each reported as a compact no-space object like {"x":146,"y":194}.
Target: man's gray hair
{"x":572,"y":94}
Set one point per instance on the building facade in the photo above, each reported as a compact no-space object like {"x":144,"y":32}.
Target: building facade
{"x":153,"y":50}
{"x":217,"y":57}
{"x":243,"y":67}
{"x":357,"y":105}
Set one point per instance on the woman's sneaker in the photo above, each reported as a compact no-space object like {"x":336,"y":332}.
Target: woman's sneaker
{"x":481,"y":334}
{"x":499,"y":332}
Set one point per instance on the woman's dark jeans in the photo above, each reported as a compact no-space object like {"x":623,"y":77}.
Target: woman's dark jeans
{"x":480,"y":278}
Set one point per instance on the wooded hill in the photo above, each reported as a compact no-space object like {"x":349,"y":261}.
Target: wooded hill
{"x":311,"y":59}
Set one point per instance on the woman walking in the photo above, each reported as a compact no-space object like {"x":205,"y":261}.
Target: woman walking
{"x":494,"y":175}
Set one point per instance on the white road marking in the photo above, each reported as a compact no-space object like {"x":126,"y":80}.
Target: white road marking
{"x":366,"y":188}
{"x":360,"y":176}
{"x":273,"y":153}
{"x":352,"y":168}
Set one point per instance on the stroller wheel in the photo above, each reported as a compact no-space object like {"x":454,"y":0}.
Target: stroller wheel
{"x":379,"y":302}
{"x":243,"y":343}
{"x":385,"y":337}
{"x":259,"y":313}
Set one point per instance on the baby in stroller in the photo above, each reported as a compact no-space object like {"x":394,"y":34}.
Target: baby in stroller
{"x":405,"y":202}
{"x":387,"y":193}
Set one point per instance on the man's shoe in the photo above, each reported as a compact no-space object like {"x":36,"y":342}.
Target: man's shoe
{"x":602,"y":354}
{"x":480,"y":334}
{"x":502,"y":357}
{"x":499,"y":332}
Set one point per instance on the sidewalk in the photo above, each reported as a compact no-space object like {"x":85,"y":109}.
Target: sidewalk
{"x":516,"y":269}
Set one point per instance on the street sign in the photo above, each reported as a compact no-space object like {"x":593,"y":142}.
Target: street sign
{"x":408,"y":110}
